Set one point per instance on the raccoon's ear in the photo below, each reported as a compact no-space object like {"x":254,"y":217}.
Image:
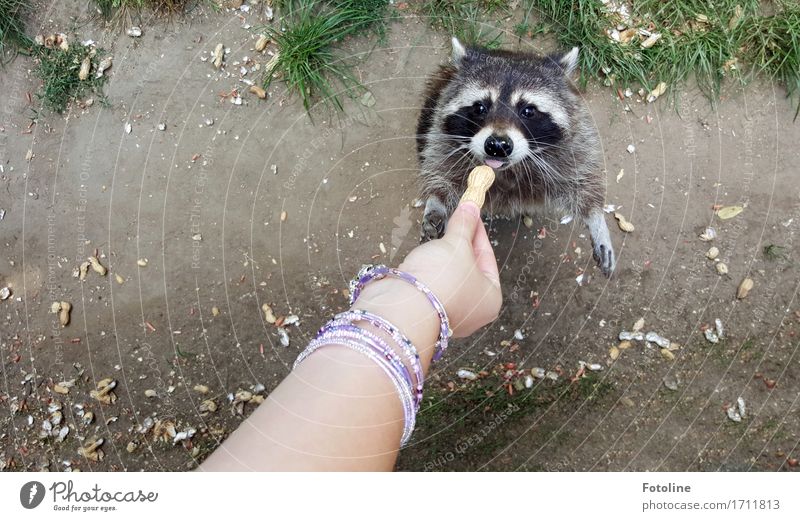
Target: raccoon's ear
{"x":458,"y":52}
{"x":569,"y":62}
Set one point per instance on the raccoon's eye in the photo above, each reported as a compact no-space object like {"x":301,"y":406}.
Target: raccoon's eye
{"x":528,"y":112}
{"x":479,"y":108}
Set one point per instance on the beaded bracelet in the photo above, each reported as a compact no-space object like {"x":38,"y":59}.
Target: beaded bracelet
{"x":371,"y":272}
{"x":364,"y":346}
{"x":349,"y":317}
{"x":351,"y":330}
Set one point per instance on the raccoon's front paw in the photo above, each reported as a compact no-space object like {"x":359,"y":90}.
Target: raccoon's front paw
{"x":434,"y":220}
{"x":603,"y":253}
{"x":432,"y":226}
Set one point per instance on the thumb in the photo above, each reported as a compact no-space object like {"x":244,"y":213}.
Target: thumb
{"x":462,"y":224}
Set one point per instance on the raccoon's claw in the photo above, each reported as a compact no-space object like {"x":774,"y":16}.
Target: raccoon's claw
{"x":604,"y":255}
{"x":434,"y":220}
{"x":432,"y":227}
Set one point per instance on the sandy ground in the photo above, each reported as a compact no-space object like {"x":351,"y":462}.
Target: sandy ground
{"x":202,"y":204}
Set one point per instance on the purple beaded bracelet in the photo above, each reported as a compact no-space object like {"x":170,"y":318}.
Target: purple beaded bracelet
{"x":371,"y":272}
{"x":363,"y":345}
{"x":349,"y":317}
{"x":349,"y":329}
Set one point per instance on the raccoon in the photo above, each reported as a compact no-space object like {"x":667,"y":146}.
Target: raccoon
{"x":521,"y":115}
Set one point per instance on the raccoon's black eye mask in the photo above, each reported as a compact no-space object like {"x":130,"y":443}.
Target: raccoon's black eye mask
{"x":528,"y":112}
{"x":480,"y":108}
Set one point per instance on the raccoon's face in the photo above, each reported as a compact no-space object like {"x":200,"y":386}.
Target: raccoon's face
{"x":506,"y":108}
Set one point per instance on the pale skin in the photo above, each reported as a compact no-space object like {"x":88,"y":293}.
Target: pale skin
{"x":338,"y":411}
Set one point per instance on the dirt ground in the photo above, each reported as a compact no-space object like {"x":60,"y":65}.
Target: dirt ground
{"x":221,"y":229}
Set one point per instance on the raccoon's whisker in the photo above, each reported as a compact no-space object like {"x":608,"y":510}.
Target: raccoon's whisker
{"x":548,"y":172}
{"x":448,"y":157}
{"x":454,"y":137}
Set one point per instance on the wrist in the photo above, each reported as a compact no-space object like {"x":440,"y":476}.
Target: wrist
{"x":407,"y":308}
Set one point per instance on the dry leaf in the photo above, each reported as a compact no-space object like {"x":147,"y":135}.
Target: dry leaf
{"x":729,"y":212}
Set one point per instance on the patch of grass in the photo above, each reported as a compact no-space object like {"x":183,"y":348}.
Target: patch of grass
{"x":773,"y":252}
{"x":12,"y":28}
{"x":309,"y":33}
{"x":736,"y":38}
{"x":771,"y":44}
{"x":58,"y":70}
{"x":475,"y":408}
{"x":466,"y":19}
{"x":110,"y":9}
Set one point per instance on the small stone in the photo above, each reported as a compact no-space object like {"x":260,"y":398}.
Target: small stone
{"x":670,"y":382}
{"x":283,"y":335}
{"x":722,"y":268}
{"x":466,"y":374}
{"x":667,"y":354}
{"x":162,"y":126}
{"x":215,"y":311}
{"x":709,"y":234}
{"x":631,"y":149}
{"x":150,"y":393}
{"x":613,"y":352}
{"x":202,"y":389}
{"x":712,"y":253}
{"x":134,"y":32}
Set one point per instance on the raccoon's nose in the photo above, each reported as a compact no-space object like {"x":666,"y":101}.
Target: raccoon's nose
{"x":498,"y":146}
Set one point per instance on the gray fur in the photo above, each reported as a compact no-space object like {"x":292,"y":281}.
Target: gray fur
{"x":562,"y":176}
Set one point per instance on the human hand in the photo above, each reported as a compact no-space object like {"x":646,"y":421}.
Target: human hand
{"x":461,"y":270}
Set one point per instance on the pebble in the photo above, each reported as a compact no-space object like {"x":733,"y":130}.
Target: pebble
{"x":283,"y":335}
{"x":709,"y":234}
{"x":466,"y":374}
